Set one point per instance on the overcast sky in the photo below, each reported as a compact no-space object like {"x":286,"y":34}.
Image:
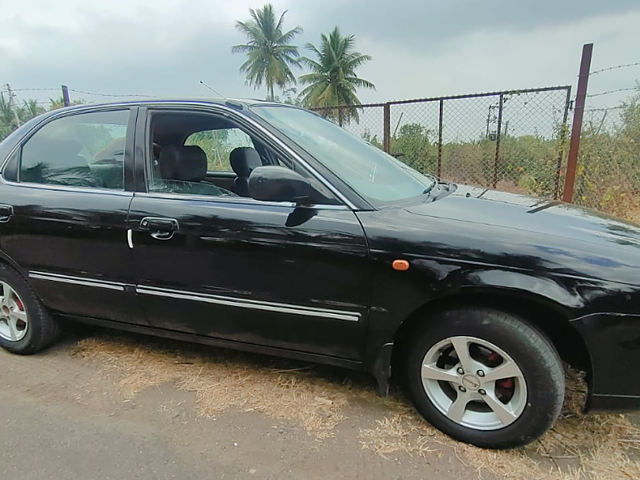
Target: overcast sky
{"x":420,"y":48}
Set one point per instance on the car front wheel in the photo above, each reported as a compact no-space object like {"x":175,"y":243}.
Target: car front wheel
{"x":485,"y":377}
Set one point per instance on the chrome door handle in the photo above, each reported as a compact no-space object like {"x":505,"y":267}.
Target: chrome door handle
{"x":6,"y":211}
{"x":160,"y":228}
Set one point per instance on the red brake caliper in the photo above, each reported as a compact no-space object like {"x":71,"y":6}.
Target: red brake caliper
{"x":20,"y":305}
{"x":504,"y":387}
{"x":493,"y":359}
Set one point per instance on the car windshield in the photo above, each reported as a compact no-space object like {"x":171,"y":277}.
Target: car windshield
{"x":375,"y":175}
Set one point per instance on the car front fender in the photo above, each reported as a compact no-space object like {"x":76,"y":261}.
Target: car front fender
{"x":404,"y":298}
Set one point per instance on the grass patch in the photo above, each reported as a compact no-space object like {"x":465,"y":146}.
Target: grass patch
{"x":602,"y":446}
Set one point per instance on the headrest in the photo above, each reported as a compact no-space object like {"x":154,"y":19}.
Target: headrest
{"x":188,"y":164}
{"x":244,"y":160}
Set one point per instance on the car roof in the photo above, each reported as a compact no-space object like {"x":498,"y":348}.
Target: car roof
{"x":235,"y":102}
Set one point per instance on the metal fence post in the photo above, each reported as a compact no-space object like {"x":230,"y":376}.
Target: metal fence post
{"x":65,"y":95}
{"x":563,"y":138}
{"x":495,"y":167}
{"x":386,"y":140}
{"x":439,"y":168}
{"x":576,"y":130}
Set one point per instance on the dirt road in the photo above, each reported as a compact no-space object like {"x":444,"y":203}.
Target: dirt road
{"x":63,"y":417}
{"x":103,"y":406}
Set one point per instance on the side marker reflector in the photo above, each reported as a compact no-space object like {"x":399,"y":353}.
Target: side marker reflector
{"x":400,"y":265}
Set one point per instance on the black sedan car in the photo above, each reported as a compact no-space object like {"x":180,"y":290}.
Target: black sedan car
{"x":265,"y":227}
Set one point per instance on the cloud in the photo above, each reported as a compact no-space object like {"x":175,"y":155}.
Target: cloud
{"x":489,"y":60}
{"x":420,"y":48}
{"x":424,"y":25}
{"x":153,"y":51}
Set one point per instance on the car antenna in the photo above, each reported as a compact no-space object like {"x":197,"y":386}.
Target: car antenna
{"x":212,"y":89}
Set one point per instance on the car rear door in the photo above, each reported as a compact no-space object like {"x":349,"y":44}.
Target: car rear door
{"x":63,"y":190}
{"x":262,"y":273}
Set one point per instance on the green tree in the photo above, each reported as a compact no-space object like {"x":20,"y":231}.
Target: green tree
{"x":6,"y":113}
{"x":630,"y":116}
{"x":289,"y":97}
{"x":412,"y":142}
{"x":215,"y":146}
{"x":56,"y":103}
{"x":30,"y":109}
{"x":268,"y":49}
{"x":333,"y":80}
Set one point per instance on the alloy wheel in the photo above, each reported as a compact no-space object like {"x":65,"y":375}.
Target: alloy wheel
{"x":14,"y":321}
{"x":474,"y":383}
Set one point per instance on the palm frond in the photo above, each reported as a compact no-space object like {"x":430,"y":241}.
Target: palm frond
{"x":244,"y":48}
{"x":288,"y":36}
{"x":360,"y":82}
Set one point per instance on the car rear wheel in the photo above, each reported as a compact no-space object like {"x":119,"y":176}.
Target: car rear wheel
{"x":485,"y":377}
{"x":25,"y":325}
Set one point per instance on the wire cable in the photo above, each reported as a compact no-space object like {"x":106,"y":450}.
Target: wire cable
{"x":615,"y":68}
{"x":613,"y":91}
{"x":117,"y":95}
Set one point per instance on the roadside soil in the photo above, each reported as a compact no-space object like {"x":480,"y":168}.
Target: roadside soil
{"x":110,"y":405}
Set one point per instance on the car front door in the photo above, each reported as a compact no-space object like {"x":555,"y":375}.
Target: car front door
{"x":64,"y":193}
{"x":262,"y":273}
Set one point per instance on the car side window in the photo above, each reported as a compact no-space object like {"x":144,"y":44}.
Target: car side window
{"x":218,"y":145}
{"x":198,"y":153}
{"x":82,"y":150}
{"x":194,"y":153}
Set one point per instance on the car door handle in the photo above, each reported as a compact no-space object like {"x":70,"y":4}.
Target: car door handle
{"x":160,"y":228}
{"x":6,"y":211}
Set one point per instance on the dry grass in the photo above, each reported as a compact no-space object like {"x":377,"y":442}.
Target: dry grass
{"x":579,"y":446}
{"x":605,"y":446}
{"x":223,"y":380}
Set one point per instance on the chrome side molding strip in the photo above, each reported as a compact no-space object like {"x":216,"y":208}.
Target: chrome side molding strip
{"x":251,"y":304}
{"x":287,"y":308}
{"x":88,"y":282}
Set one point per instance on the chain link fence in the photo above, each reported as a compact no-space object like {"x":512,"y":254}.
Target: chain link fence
{"x":608,"y":169}
{"x":512,"y":140}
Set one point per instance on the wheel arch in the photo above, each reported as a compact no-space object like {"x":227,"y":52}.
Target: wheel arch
{"x":549,"y":317}
{"x":4,"y":258}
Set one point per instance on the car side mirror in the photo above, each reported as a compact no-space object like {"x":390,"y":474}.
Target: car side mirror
{"x":280,"y":184}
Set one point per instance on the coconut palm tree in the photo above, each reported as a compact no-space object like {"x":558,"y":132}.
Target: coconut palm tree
{"x":333,"y":80}
{"x":268,"y":49}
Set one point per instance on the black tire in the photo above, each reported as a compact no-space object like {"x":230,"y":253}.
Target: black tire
{"x":531,"y":350}
{"x":42,"y":329}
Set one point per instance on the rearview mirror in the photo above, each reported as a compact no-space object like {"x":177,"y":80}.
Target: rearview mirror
{"x":280,"y":184}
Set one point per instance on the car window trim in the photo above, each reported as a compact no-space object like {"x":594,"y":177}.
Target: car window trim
{"x":235,"y":115}
{"x":66,"y":188}
{"x":235,"y":200}
{"x":128,"y":166}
